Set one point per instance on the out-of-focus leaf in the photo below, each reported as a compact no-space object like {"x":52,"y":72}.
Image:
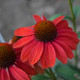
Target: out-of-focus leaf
{"x":76,"y":10}
{"x":66,"y":72}
{"x":57,"y":15}
{"x":78,"y":34}
{"x":40,"y":77}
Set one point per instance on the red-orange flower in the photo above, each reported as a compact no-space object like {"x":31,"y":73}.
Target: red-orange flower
{"x":11,"y":67}
{"x":46,"y":40}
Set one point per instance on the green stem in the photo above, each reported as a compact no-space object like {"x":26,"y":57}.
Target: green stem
{"x":52,"y":74}
{"x":73,"y":17}
{"x":74,"y":28}
{"x":47,"y":72}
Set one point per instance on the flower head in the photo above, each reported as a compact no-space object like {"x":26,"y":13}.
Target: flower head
{"x":46,"y":40}
{"x":11,"y":67}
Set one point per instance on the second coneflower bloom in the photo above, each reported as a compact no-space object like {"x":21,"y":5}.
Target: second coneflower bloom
{"x":11,"y":67}
{"x":46,"y":40}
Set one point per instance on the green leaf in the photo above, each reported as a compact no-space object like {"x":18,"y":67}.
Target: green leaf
{"x":57,"y":15}
{"x":40,"y":77}
{"x":65,"y":72}
{"x":76,"y":10}
{"x":78,"y":34}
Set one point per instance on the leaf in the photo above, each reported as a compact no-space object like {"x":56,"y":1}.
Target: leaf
{"x":76,"y":10}
{"x":65,"y":72}
{"x":78,"y":34}
{"x":57,"y":15}
{"x":40,"y":77}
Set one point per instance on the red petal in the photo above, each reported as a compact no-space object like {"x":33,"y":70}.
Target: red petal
{"x":27,"y":49}
{"x":51,"y":56}
{"x":43,"y":57}
{"x":18,"y":74}
{"x":21,"y":42}
{"x":36,"y":53}
{"x":64,"y":28}
{"x":66,"y":49}
{"x":4,"y":75}
{"x":60,"y":53}
{"x":69,"y":36}
{"x":57,"y":20}
{"x":26,"y":68}
{"x":67,"y":41}
{"x":23,"y":31}
{"x":0,"y":74}
{"x":65,"y":31}
{"x":44,"y":18}
{"x":48,"y":58}
{"x":37,"y":18}
{"x":62,"y":24}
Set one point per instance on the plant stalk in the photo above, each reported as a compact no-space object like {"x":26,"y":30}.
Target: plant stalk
{"x":52,"y":74}
{"x":74,"y":28}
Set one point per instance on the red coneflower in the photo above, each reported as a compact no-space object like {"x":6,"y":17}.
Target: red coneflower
{"x":46,"y":40}
{"x":11,"y":68}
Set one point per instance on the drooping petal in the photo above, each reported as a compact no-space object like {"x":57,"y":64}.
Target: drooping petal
{"x":23,"y":31}
{"x":21,"y":42}
{"x":60,"y":53}
{"x":36,"y":53}
{"x":48,"y":58}
{"x":58,"y":19}
{"x":27,"y":49}
{"x":67,"y":41}
{"x":4,"y":75}
{"x":66,"y":49}
{"x":43,"y":57}
{"x":65,"y":31}
{"x":18,"y":74}
{"x":51,"y":56}
{"x":69,"y":36}
{"x":44,"y":18}
{"x":26,"y":68}
{"x":37,"y":18}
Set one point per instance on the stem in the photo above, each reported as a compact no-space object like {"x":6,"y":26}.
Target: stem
{"x":47,"y":72}
{"x":76,"y":58}
{"x":52,"y":74}
{"x":73,"y":17}
{"x":74,"y":28}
